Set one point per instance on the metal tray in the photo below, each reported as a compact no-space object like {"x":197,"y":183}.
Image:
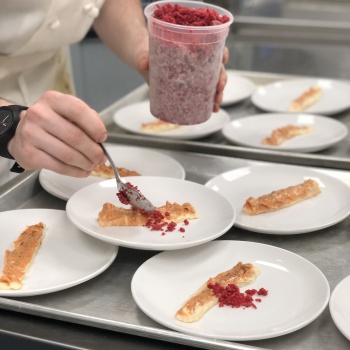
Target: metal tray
{"x":334,"y":157}
{"x":105,"y":302}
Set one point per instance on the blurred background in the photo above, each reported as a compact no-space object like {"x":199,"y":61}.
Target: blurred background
{"x":299,"y":37}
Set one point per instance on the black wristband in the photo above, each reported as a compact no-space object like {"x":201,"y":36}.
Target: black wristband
{"x":16,"y":168}
{"x":9,"y":125}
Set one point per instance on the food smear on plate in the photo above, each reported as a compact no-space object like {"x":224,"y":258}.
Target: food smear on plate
{"x":165,"y":218}
{"x":306,"y":99}
{"x":285,"y":133}
{"x":186,"y":51}
{"x":106,"y":172}
{"x":18,"y":260}
{"x":222,"y":289}
{"x":282,"y":198}
{"x":158,"y":126}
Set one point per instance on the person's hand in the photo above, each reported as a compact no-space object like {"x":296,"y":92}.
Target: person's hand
{"x":221,"y":83}
{"x":142,"y":58}
{"x":143,"y":68}
{"x":60,"y":133}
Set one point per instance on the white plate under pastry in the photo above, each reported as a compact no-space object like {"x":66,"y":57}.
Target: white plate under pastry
{"x":216,"y":214}
{"x":237,"y":89}
{"x":250,"y":131}
{"x":339,"y":306}
{"x":132,"y":116}
{"x":292,"y":301}
{"x":277,"y":96}
{"x":66,"y":257}
{"x":331,"y":206}
{"x":145,"y":161}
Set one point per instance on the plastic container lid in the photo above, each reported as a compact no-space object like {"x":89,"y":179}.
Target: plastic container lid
{"x":185,"y":34}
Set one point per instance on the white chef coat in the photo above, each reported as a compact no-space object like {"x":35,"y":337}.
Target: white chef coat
{"x":34,"y":36}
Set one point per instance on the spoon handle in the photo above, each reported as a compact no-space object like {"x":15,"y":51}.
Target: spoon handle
{"x":117,"y":176}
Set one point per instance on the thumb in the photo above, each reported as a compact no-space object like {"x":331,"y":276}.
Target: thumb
{"x":143,"y":65}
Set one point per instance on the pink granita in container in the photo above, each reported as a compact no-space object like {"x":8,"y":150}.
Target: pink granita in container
{"x":187,"y":41}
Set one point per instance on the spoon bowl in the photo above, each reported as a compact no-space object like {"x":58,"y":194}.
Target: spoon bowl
{"x":131,"y":195}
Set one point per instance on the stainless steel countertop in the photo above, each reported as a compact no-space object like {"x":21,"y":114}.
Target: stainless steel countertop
{"x":106,"y":302}
{"x":336,"y":156}
{"x":313,"y":21}
{"x":103,"y":307}
{"x":296,"y":24}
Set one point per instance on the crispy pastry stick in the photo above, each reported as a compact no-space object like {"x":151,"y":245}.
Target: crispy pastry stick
{"x":158,"y":126}
{"x":106,"y":172}
{"x":19,"y":259}
{"x":280,"y":199}
{"x":204,"y":298}
{"x":286,"y":133}
{"x":306,"y":99}
{"x":110,"y":215}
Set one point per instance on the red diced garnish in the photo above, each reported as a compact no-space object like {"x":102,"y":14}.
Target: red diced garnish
{"x":186,"y":16}
{"x":231,"y":295}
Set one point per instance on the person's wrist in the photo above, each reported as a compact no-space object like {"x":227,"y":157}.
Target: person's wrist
{"x":5,"y":102}
{"x":11,"y":115}
{"x":16,"y":168}
{"x":10,"y":145}
{"x":141,"y":56}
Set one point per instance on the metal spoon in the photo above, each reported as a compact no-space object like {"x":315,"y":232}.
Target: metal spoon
{"x":134,"y":197}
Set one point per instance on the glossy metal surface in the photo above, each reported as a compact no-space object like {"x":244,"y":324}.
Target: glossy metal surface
{"x":106,"y":302}
{"x":333,"y":157}
{"x":268,"y":36}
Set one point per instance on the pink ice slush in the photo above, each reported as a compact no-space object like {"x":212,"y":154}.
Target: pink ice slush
{"x":185,"y":63}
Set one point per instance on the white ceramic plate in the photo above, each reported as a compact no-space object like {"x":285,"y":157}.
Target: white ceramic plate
{"x":331,"y":206}
{"x":66,"y":258}
{"x":292,"y":301}
{"x":237,"y":89}
{"x":144,"y":161}
{"x":250,"y":131}
{"x":132,"y":116}
{"x":339,"y":306}
{"x":277,"y":96}
{"x":216,"y":214}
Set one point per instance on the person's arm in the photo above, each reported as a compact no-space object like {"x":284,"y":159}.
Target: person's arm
{"x":4,"y":102}
{"x":121,"y":25}
{"x":60,"y":133}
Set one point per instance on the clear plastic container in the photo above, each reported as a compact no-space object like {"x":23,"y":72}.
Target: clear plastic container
{"x":185,"y":64}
